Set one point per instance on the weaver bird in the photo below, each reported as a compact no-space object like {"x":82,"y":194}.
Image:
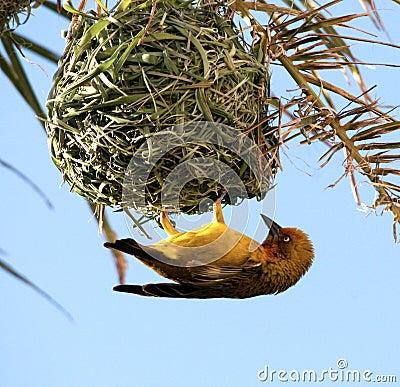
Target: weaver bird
{"x":215,"y":261}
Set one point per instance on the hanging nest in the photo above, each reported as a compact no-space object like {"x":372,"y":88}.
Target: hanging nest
{"x":143,"y":69}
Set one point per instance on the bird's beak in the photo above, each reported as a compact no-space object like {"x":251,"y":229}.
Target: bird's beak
{"x":273,"y":226}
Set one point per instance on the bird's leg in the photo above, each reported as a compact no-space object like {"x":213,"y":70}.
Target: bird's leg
{"x":167,"y":225}
{"x":217,"y":208}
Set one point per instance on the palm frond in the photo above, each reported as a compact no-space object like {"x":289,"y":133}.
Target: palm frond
{"x":11,"y":65}
{"x":9,"y":269}
{"x":306,"y":44}
{"x":27,"y":180}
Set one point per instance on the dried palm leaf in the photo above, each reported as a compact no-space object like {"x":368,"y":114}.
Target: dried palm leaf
{"x":305,"y":43}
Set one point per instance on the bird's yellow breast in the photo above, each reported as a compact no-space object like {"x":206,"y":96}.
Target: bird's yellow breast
{"x":214,"y":243}
{"x":200,"y":236}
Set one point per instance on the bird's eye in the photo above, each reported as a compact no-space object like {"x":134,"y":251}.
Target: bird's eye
{"x":286,"y":238}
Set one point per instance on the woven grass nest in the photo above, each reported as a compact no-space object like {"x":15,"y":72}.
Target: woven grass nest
{"x":10,"y":11}
{"x":143,"y":69}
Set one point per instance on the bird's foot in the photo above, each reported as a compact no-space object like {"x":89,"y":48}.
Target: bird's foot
{"x":218,"y":215}
{"x":224,"y":191}
{"x":166,"y":224}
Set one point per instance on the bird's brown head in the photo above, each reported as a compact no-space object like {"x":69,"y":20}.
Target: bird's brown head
{"x":289,"y":250}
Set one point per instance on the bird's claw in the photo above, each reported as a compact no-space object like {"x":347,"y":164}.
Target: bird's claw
{"x":224,"y":191}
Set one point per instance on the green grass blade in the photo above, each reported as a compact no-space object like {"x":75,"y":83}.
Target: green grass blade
{"x":9,"y":269}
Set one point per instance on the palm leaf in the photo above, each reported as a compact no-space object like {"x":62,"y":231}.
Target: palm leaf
{"x":26,"y":179}
{"x":9,"y":269}
{"x":14,"y":45}
{"x":304,"y":40}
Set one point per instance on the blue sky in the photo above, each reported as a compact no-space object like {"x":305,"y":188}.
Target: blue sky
{"x":346,"y":307}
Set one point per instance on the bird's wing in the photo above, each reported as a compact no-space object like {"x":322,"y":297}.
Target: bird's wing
{"x":203,"y":281}
{"x":208,"y":282}
{"x":214,"y":273}
{"x":171,"y":290}
{"x":169,"y":253}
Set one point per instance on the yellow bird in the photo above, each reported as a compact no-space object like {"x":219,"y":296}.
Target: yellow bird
{"x":215,"y":261}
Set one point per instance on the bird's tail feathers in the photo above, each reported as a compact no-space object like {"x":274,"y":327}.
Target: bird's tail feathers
{"x":128,"y":246}
{"x":166,"y":290}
